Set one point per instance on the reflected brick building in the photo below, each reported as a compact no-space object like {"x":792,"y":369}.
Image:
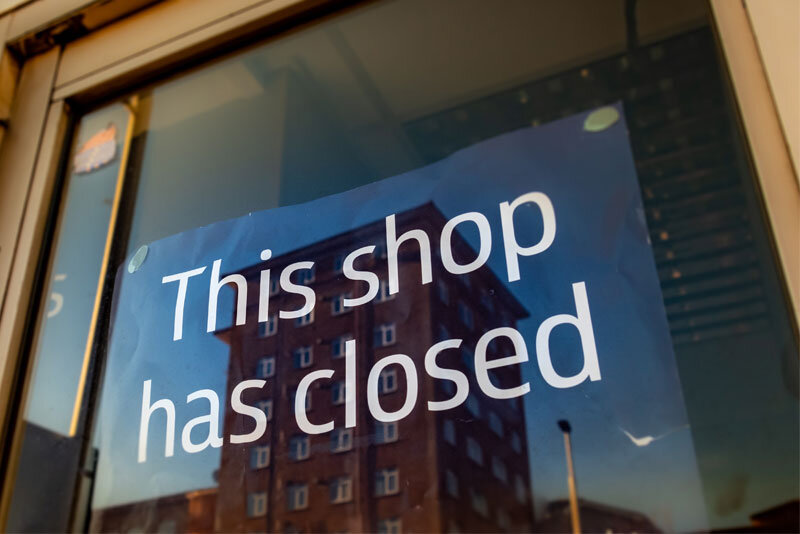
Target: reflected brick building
{"x":192,"y":511}
{"x":460,"y":469}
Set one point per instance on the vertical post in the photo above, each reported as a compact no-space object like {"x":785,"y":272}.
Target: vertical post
{"x":574,"y":511}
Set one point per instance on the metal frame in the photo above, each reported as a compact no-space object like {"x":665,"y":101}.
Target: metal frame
{"x":35,"y":186}
{"x":28,"y":168}
{"x":768,"y":146}
{"x":166,"y":36}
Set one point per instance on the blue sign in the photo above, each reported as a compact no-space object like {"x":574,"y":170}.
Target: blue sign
{"x":465,"y":307}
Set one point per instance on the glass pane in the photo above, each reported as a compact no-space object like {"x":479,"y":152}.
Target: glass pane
{"x":63,"y":341}
{"x":618,"y":113}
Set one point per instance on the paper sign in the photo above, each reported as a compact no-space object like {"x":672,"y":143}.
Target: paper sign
{"x":406,"y":346}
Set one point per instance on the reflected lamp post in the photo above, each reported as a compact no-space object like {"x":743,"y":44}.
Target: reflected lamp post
{"x":574,"y":511}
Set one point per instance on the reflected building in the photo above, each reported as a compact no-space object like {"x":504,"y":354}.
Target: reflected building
{"x":703,"y":228}
{"x":595,"y":517}
{"x":724,"y":305}
{"x":192,"y":511}
{"x":784,"y":517}
{"x":455,"y":470}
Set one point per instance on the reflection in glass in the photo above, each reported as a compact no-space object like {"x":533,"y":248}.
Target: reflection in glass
{"x":383,"y":90}
{"x":51,"y":448}
{"x":388,"y":462}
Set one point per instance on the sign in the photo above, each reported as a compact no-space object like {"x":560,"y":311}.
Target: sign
{"x":465,"y":306}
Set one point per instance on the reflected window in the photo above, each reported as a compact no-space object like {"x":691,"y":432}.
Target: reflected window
{"x":442,"y":333}
{"x":520,"y":489}
{"x":268,"y":328}
{"x":380,"y":251}
{"x":473,"y":405}
{"x":341,"y":489}
{"x":451,"y":483}
{"x":442,"y":291}
{"x":168,"y":526}
{"x":338,"y":263}
{"x":449,"y":431}
{"x":496,"y":424}
{"x":274,"y":286}
{"x":383,"y":292}
{"x":448,"y":387}
{"x":478,"y":502}
{"x":341,"y":439}
{"x":387,"y":380}
{"x":384,"y":335}
{"x":303,"y":320}
{"x":297,"y":497}
{"x":299,"y":448}
{"x":474,"y":451}
{"x":468,"y":358}
{"x":499,"y":469}
{"x":390,"y":526}
{"x":337,"y":304}
{"x":303,"y":357}
{"x":385,"y":432}
{"x":387,"y":482}
{"x":306,"y":276}
{"x":257,"y":504}
{"x":338,"y":346}
{"x":266,"y":367}
{"x":259,"y":457}
{"x":266,"y":407}
{"x":338,"y":393}
{"x":465,"y":315}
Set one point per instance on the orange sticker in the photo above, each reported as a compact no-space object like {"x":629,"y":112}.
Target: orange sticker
{"x":97,"y":152}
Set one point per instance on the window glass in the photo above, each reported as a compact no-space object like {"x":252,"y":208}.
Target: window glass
{"x":381,"y":106}
{"x":70,"y":314}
